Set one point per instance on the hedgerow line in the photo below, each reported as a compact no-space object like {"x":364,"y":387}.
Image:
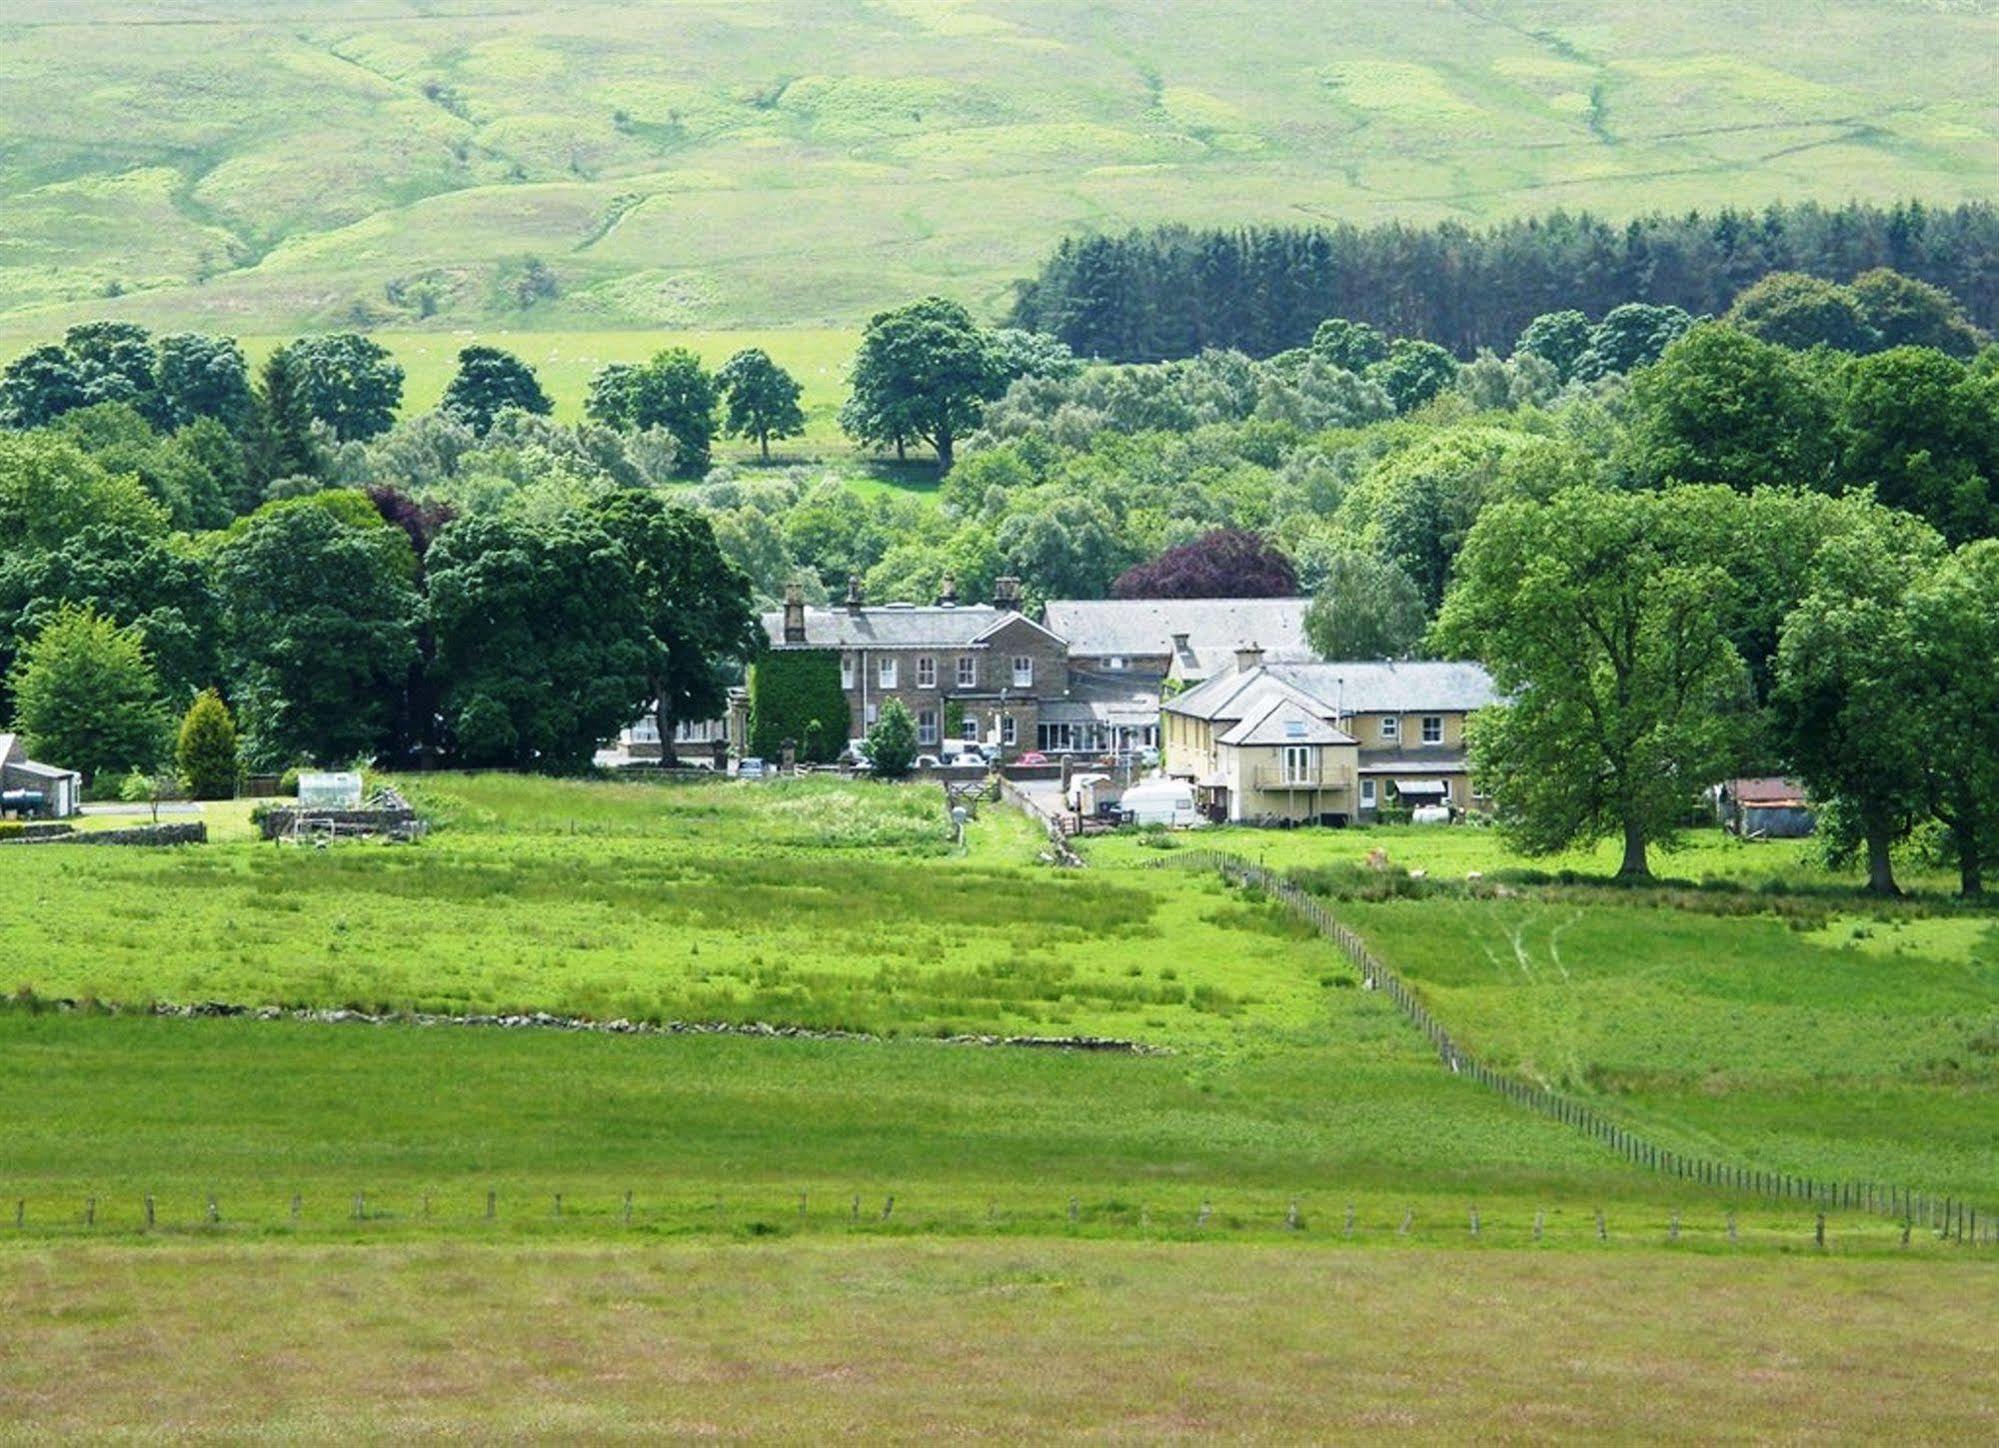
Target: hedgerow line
{"x":1946,"y":1213}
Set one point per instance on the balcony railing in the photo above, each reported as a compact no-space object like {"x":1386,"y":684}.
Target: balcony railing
{"x":1273,"y":777}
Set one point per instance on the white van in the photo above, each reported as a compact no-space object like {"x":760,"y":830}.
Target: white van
{"x":1161,"y":802}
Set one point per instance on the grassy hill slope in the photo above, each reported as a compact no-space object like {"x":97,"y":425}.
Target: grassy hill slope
{"x":260,"y":167}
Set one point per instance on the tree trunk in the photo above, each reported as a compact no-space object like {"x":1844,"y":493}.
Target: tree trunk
{"x":944,"y":441}
{"x":663,"y":723}
{"x":902,"y":450}
{"x":763,"y":441}
{"x":1880,"y":868}
{"x":1634,"y":866}
{"x":1970,"y":874}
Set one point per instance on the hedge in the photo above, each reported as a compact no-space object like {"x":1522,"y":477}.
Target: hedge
{"x":790,"y":689}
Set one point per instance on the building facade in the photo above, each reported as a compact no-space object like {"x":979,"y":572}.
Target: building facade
{"x":969,"y":674}
{"x":1331,"y":743}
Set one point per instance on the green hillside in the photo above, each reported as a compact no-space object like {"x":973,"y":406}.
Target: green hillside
{"x":266,"y":165}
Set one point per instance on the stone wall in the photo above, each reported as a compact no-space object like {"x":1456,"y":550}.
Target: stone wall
{"x":174,"y":834}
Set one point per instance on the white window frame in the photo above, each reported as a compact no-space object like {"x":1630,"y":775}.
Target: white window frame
{"x":1115,"y":661}
{"x":969,"y":730}
{"x":1433,"y":729}
{"x":1009,"y":731}
{"x":885,"y":671}
{"x":1391,"y":728}
{"x":1023,"y":671}
{"x":873,"y":713}
{"x":847,"y":672}
{"x":1367,"y":795}
{"x":926,"y":672}
{"x":926,"y":726}
{"x":1298,"y":763}
{"x":968,"y":671}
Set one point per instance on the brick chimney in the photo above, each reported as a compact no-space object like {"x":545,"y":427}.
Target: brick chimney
{"x":1006,"y":594}
{"x":794,"y":614}
{"x":853,"y":593}
{"x":1248,"y":656}
{"x":947,"y":591}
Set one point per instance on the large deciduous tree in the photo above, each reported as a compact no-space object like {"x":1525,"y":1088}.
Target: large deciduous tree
{"x":203,"y":376}
{"x":1954,"y":629}
{"x":673,"y":391}
{"x":924,"y":372}
{"x":349,"y":382}
{"x":1366,"y":608}
{"x":318,"y":617}
{"x":1923,"y":432}
{"x":700,"y":627}
{"x":1601,"y":617}
{"x":542,"y":644}
{"x":1846,"y":675}
{"x":1227,"y":563}
{"x":1722,"y":407}
{"x":488,"y":381}
{"x":86,"y":697}
{"x":762,"y":399}
{"x":1559,"y":339}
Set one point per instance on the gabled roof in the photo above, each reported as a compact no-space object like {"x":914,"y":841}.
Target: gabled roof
{"x":1102,"y":628}
{"x":1284,"y":721}
{"x":895,"y":626}
{"x":1345,"y":688}
{"x":8,"y":745}
{"x":1234,"y":696}
{"x":1382,"y":686}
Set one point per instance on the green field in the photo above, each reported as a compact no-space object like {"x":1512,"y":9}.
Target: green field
{"x":907,"y":1341}
{"x":680,"y":1227}
{"x":702,"y":164}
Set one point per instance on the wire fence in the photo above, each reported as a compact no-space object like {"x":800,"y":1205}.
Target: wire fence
{"x":1945,"y":1213}
{"x":1382,"y":1216}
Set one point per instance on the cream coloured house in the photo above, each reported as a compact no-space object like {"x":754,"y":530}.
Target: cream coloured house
{"x":1330,"y":743}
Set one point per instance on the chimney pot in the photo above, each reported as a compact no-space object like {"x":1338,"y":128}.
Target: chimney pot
{"x":794,"y":614}
{"x":1006,"y":594}
{"x":947,"y":591}
{"x":853,"y":593}
{"x":1247,"y":657}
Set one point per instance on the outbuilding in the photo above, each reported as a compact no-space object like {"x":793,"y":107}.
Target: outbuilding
{"x":27,"y":787}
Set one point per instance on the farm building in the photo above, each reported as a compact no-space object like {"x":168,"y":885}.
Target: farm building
{"x":30,"y":788}
{"x":1771,"y":808}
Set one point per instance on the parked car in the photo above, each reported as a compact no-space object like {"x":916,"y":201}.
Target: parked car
{"x":929,"y":761}
{"x":1033,"y":756}
{"x":750,"y":769}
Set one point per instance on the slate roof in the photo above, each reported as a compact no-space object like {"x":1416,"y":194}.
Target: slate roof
{"x":1357,"y":687}
{"x":1284,"y":721}
{"x":1407,"y":686}
{"x":1099,"y":628}
{"x":894,"y":626}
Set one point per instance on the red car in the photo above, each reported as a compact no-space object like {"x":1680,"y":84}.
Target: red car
{"x":1033,"y":756}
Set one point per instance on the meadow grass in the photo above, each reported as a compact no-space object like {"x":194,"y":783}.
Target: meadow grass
{"x":804,"y":162}
{"x":921,"y":1340}
{"x":802,"y":903}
